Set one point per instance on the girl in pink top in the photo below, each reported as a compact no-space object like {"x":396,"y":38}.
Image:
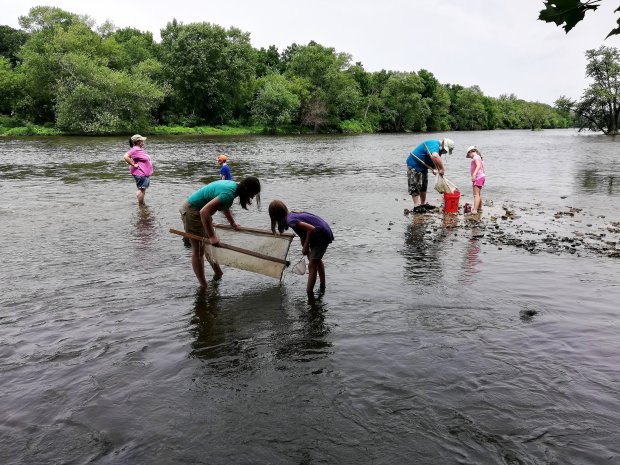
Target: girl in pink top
{"x":477,"y":176}
{"x":141,"y":165}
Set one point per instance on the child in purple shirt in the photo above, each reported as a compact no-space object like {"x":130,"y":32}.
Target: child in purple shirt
{"x":315,"y":235}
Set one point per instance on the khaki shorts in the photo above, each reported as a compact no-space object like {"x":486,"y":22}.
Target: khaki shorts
{"x":190,"y":216}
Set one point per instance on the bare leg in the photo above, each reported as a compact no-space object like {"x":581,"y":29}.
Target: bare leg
{"x":477,"y":200}
{"x":312,"y":272}
{"x":416,"y":200}
{"x":217,"y":270}
{"x":140,"y":196}
{"x":198,"y":263}
{"x":322,"y":275}
{"x":423,"y":198}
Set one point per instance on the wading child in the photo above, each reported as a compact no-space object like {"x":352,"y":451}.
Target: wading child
{"x":315,"y":235}
{"x":225,"y":171}
{"x":197,"y":210}
{"x":141,"y":165}
{"x":477,"y":176}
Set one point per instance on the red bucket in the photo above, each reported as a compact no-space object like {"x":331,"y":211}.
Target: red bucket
{"x":451,"y":202}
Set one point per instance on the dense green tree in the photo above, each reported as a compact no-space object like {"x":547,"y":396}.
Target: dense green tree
{"x":317,"y":64}
{"x":267,"y":61}
{"x":565,"y":109}
{"x":332,"y":83}
{"x":492,"y":111}
{"x":509,"y":114}
{"x":11,"y":41}
{"x":402,"y":105}
{"x":599,"y":106}
{"x":10,"y":86}
{"x":43,"y":56}
{"x":41,"y":18}
{"x":210,"y":70}
{"x":95,"y":99}
{"x":128,"y":47}
{"x":469,"y":110}
{"x":314,"y":111}
{"x":437,"y":98}
{"x":535,"y":115}
{"x":275,"y":103}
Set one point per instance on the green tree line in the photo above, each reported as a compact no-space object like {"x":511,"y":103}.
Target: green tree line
{"x":62,"y":71}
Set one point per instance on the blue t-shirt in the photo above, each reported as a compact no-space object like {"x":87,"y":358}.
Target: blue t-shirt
{"x":322,"y":235}
{"x":225,"y":171}
{"x":421,"y":152}
{"x":224,"y":190}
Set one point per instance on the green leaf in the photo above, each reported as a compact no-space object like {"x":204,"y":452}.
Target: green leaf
{"x":567,"y":12}
{"x":615,"y":31}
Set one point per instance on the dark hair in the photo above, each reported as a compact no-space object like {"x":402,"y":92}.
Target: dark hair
{"x":248,"y":187}
{"x":131,"y":144}
{"x":278,"y":212}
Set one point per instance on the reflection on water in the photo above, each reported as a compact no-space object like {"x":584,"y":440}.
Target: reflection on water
{"x":424,"y":239}
{"x":220,"y":327}
{"x":308,"y":339}
{"x":145,"y":226}
{"x":600,"y":180}
{"x":471,"y":260}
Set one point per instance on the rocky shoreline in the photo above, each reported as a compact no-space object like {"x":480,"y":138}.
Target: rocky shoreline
{"x":534,"y":229}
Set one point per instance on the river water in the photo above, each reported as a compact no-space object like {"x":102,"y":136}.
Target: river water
{"x":438,"y":341}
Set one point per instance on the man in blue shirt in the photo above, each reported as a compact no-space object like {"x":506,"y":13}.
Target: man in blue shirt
{"x":425,"y":156}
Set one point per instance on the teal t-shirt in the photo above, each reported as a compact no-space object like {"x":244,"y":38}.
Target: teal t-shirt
{"x":224,"y":190}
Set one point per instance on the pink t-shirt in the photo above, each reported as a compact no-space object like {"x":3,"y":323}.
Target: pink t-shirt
{"x":480,"y":173}
{"x":145,"y":166}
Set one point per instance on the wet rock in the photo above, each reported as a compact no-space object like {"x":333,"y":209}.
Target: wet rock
{"x":528,"y":314}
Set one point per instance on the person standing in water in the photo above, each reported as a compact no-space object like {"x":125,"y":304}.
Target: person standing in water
{"x":197,"y":210}
{"x":225,"y":171}
{"x":315,"y":235}
{"x":141,"y":165}
{"x":425,"y":156}
{"x":478,"y":177}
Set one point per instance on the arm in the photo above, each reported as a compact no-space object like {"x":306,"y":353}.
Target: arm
{"x":231,"y":219}
{"x":130,"y":161}
{"x":309,"y":231}
{"x":438,"y":163}
{"x":206,"y":213}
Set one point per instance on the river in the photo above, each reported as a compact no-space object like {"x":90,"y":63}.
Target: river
{"x":438,"y":340}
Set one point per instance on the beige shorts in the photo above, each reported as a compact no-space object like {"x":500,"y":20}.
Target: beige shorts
{"x":190,"y":216}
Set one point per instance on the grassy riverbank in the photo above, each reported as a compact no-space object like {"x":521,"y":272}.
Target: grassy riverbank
{"x":10,"y":127}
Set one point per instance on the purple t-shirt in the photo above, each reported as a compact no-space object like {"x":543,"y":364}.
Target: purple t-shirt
{"x":323,"y":234}
{"x":145,"y":166}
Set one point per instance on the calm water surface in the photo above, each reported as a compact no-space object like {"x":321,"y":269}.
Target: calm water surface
{"x":431,"y":345}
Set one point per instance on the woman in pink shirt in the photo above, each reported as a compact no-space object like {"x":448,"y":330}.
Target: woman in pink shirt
{"x":141,"y":165}
{"x":477,"y":176}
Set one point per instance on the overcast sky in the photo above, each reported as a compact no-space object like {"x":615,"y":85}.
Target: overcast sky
{"x":497,"y":44}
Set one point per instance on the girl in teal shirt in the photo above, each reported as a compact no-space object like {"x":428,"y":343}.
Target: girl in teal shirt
{"x":197,"y":210}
